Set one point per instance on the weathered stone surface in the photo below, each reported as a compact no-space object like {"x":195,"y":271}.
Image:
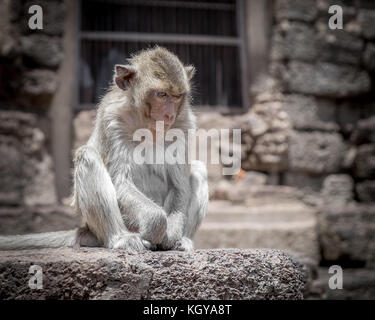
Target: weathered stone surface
{"x":347,"y":232}
{"x":296,"y":10}
{"x":8,"y":42}
{"x":369,"y":57}
{"x":43,"y":50}
{"x":326,"y":80}
{"x":304,"y":182}
{"x":113,"y":274}
{"x":366,"y":190}
{"x":264,"y":221}
{"x":38,"y":87}
{"x":300,"y":41}
{"x":368,"y":109}
{"x":339,"y":46}
{"x":264,"y":134}
{"x":325,"y":4}
{"x":293,"y":40}
{"x":364,"y":162}
{"x":207,"y":121}
{"x":40,"y":187}
{"x":348,"y":114}
{"x":358,"y":284}
{"x":10,"y":171}
{"x":315,"y":152}
{"x":40,"y":82}
{"x":21,"y":220}
{"x":309,"y":113}
{"x":364,"y":131}
{"x":25,"y":166}
{"x":367,"y":4}
{"x":338,"y":188}
{"x":366,"y":19}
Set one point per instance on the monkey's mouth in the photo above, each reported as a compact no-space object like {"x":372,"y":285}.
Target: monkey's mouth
{"x":166,"y":125}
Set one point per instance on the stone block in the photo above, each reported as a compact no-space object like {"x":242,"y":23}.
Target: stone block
{"x":364,"y":161}
{"x":296,"y":10}
{"x":369,"y":57}
{"x":315,"y":152}
{"x":294,"y":40}
{"x":326,"y":79}
{"x":347,"y":232}
{"x":114,"y":274}
{"x":25,"y":166}
{"x":366,"y":19}
{"x":43,"y":50}
{"x":366,"y":190}
{"x":309,"y":113}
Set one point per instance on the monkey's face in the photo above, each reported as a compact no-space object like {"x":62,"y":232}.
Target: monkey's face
{"x":163,"y":105}
{"x":157,"y":84}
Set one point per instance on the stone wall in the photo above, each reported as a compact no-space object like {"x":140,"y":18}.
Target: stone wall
{"x":29,"y":62}
{"x":323,"y":80}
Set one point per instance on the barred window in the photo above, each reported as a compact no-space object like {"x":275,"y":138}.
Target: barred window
{"x":208,"y":34}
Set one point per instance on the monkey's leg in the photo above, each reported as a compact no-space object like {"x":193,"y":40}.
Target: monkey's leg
{"x":96,"y":200}
{"x":197,"y":207}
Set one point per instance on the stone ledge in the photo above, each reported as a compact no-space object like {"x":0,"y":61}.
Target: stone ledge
{"x":96,"y":273}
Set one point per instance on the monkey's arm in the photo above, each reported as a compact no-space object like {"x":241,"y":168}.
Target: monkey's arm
{"x":141,"y":213}
{"x":176,"y":205}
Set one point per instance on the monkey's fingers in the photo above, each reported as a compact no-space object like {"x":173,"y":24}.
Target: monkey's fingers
{"x":131,"y":242}
{"x":185,"y":244}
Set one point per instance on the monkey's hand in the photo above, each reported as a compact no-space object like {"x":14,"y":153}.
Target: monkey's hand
{"x":131,"y":242}
{"x":169,"y":241}
{"x":185,"y":244}
{"x":175,"y":226}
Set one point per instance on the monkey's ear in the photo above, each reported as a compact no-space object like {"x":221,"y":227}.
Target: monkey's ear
{"x":190,"y":71}
{"x":124,"y":75}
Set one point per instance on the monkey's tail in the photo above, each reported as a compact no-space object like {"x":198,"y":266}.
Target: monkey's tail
{"x":39,"y":240}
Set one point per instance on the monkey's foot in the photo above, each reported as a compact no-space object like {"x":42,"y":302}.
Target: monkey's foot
{"x":185,"y":244}
{"x":131,"y":242}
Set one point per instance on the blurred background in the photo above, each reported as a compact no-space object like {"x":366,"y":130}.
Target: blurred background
{"x":302,"y":94}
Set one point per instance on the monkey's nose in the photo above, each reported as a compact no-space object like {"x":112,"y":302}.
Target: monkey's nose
{"x":168,"y":117}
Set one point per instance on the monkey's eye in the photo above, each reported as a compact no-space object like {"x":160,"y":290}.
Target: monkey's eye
{"x":161,"y":94}
{"x":177,"y":96}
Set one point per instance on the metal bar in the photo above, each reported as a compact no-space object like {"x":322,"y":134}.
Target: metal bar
{"x":156,"y":37}
{"x":200,"y":108}
{"x":173,"y":4}
{"x":240,"y":11}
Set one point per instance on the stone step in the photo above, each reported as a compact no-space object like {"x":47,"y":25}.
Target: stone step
{"x":95,"y":273}
{"x":288,"y":226}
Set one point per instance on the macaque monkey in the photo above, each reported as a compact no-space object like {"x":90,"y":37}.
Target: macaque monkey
{"x":124,"y":205}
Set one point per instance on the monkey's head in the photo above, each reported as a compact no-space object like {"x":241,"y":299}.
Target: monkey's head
{"x":157,"y":84}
